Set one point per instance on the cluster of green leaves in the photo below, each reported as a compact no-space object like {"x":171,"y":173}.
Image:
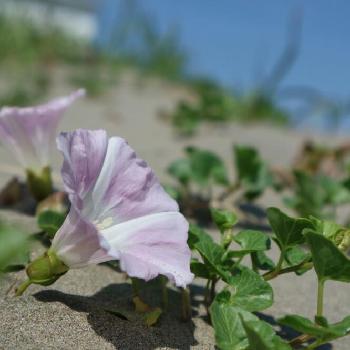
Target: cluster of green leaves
{"x":304,"y":244}
{"x":201,"y":167}
{"x":217,"y":104}
{"x":317,"y":195}
{"x":201,"y":170}
{"x":196,"y":174}
{"x":253,"y":173}
{"x":214,"y":104}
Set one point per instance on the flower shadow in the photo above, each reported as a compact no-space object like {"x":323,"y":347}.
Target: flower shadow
{"x":111,"y":315}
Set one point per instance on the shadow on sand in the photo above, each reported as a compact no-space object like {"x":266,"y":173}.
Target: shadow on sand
{"x":130,"y":333}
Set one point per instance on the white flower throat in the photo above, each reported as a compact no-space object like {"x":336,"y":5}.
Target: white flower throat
{"x":105,"y":223}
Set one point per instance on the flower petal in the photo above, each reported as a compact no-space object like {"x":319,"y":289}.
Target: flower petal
{"x":29,"y":131}
{"x":152,"y":245}
{"x":127,"y":187}
{"x":77,"y":243}
{"x":84,"y":152}
{"x":107,"y":181}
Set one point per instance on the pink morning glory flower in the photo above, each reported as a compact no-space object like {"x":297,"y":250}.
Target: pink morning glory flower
{"x":28,"y":132}
{"x":119,"y":211}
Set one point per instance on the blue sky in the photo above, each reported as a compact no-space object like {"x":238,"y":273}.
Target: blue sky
{"x":238,"y":41}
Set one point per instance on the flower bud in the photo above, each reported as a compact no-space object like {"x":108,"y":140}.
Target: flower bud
{"x":44,"y":270}
{"x":227,"y":238}
{"x":343,"y":240}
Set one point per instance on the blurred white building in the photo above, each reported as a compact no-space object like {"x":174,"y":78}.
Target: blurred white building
{"x":78,"y":17}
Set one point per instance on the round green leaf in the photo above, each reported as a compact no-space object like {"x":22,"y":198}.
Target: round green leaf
{"x":249,"y":291}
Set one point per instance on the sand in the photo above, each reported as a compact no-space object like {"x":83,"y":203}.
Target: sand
{"x":72,"y":312}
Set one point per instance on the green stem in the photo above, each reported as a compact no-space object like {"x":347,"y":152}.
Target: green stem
{"x":300,"y":340}
{"x":308,"y":265}
{"x":212,"y":290}
{"x":274,"y":273}
{"x":206,"y":292}
{"x":314,"y":345}
{"x":135,"y":286}
{"x":254,"y":267}
{"x":320,"y":290}
{"x":165,"y":301}
{"x":229,"y":190}
{"x":186,"y":304}
{"x":186,"y":199}
{"x":237,"y":263}
{"x":22,"y":287}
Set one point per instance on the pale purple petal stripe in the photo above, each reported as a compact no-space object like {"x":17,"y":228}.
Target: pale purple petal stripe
{"x":109,"y":177}
{"x":84,"y":152}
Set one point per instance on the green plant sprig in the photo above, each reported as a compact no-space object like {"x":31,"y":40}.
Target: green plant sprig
{"x":303,"y":245}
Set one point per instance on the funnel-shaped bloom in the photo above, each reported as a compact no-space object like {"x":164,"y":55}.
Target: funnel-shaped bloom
{"x":119,"y":211}
{"x":28,"y":133}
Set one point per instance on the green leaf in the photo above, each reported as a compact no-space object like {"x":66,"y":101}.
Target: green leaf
{"x":50,"y":221}
{"x":322,"y":321}
{"x":309,"y":198}
{"x":211,"y":252}
{"x":336,"y":192}
{"x":229,"y":331}
{"x":252,"y":171}
{"x":252,"y":241}
{"x":151,"y":318}
{"x":224,"y":219}
{"x":140,"y":305}
{"x":304,"y":325}
{"x":323,"y":332}
{"x":199,"y":269}
{"x":329,"y":262}
{"x":181,"y":170}
{"x":342,"y":327}
{"x":295,"y":255}
{"x":18,"y":261}
{"x":263,"y":337}
{"x":197,"y":234}
{"x":248,"y":290}
{"x":13,"y":247}
{"x":287,"y":230}
{"x":206,"y":167}
{"x":262,"y":261}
